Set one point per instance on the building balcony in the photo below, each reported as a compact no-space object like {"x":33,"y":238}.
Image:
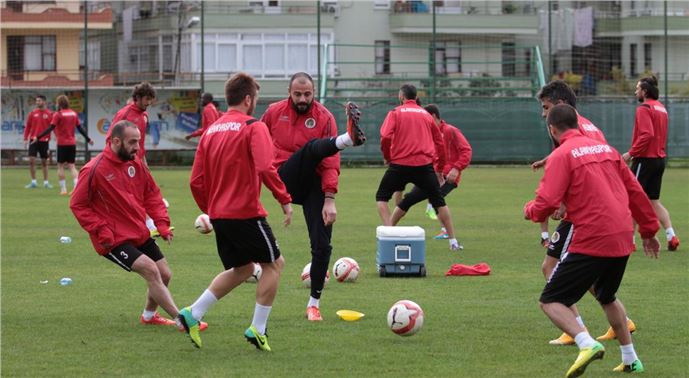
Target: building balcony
{"x":54,"y":79}
{"x":54,"y":18}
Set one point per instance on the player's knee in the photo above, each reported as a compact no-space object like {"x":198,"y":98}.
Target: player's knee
{"x":147,"y":268}
{"x":165,"y":275}
{"x":321,"y":254}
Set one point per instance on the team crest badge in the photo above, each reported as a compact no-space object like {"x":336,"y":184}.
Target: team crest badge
{"x":45,"y":116}
{"x":555,"y":237}
{"x":310,"y":123}
{"x":131,"y":171}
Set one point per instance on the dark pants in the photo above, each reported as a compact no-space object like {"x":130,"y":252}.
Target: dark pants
{"x":304,"y":185}
{"x":417,"y":195}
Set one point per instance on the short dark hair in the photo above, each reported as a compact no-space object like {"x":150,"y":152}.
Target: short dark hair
{"x":62,"y":102}
{"x":558,"y":90}
{"x":563,"y":117}
{"x":408,"y":91}
{"x":118,"y":128}
{"x":650,"y":85}
{"x":41,"y":97}
{"x":300,"y":75}
{"x":206,"y":98}
{"x":433,"y":109}
{"x":143,"y":89}
{"x":238,"y":87}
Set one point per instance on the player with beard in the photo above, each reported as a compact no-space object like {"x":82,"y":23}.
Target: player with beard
{"x":307,"y":156}
{"x":111,"y":200}
{"x":37,"y":121}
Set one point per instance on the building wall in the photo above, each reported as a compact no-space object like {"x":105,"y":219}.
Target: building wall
{"x":66,"y":52}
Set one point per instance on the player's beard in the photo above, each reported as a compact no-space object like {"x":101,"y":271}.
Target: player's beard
{"x":124,"y":155}
{"x":302,"y":107}
{"x":640,"y":99}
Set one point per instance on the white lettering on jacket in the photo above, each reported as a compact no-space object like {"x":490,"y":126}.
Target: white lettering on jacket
{"x":222,"y":127}
{"x":660,"y":109}
{"x":413,"y":110}
{"x":589,"y":127}
{"x":591,"y":150}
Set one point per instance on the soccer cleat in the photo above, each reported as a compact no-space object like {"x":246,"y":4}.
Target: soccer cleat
{"x":635,"y":367}
{"x":189,"y":325}
{"x":673,"y":244}
{"x":441,"y":235}
{"x":610,"y":333}
{"x":564,"y":339}
{"x":63,"y":192}
{"x":259,"y":341}
{"x":313,"y":314}
{"x":585,"y":357}
{"x":430,"y":213}
{"x":456,"y":245}
{"x":47,"y":185}
{"x":157,"y":320}
{"x":31,"y":185}
{"x":353,"y":117}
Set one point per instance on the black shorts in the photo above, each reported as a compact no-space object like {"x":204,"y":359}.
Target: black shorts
{"x":39,"y":148}
{"x":125,"y":254}
{"x":241,"y":241}
{"x":424,"y":177}
{"x":66,"y":154}
{"x":416,"y":195}
{"x":649,"y":173}
{"x":560,"y":239}
{"x":576,"y":273}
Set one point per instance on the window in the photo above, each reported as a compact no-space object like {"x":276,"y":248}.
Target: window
{"x":440,"y":63}
{"x":15,"y":6}
{"x":32,"y":53}
{"x":508,"y":59}
{"x":382,"y":57}
{"x":648,"y":58}
{"x":93,"y":52}
{"x":381,"y":4}
{"x":632,"y":59}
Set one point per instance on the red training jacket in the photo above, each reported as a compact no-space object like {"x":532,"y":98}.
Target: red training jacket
{"x":649,"y":138}
{"x":66,"y":122}
{"x":457,"y":150}
{"x":111,"y":201}
{"x":232,"y":159}
{"x":587,"y":128}
{"x":208,"y":117}
{"x":599,"y":190}
{"x":36,"y":123}
{"x":410,"y":137}
{"x":135,"y":115}
{"x":291,"y":131}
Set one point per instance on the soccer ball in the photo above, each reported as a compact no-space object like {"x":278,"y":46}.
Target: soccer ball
{"x":167,"y":204}
{"x":306,"y":276}
{"x":405,"y":318}
{"x":203,"y":224}
{"x":346,"y":269}
{"x":256,"y":275}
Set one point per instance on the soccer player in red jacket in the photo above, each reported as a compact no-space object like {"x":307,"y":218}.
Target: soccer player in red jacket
{"x":114,"y":194}
{"x":37,"y":122}
{"x":602,"y":196}
{"x":231,"y":198}
{"x":143,"y":96}
{"x":555,"y":93}
{"x":412,"y":144}
{"x":64,"y":122}
{"x":649,"y":141}
{"x":457,"y":158}
{"x":209,"y":115}
{"x":307,"y":157}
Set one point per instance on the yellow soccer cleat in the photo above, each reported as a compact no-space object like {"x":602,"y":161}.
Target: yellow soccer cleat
{"x":585,"y":357}
{"x":564,"y":339}
{"x":610,"y":334}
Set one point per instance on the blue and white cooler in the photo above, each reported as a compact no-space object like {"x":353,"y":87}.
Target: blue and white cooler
{"x":401,"y":251}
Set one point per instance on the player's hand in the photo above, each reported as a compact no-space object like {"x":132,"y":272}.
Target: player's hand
{"x":452,"y":175}
{"x":559,"y":213}
{"x":538,"y":164}
{"x":287,"y":210}
{"x":329,"y":211}
{"x":91,"y":142}
{"x":187,"y":137}
{"x":651,"y":247}
{"x":167,"y":238}
{"x":526,"y":209}
{"x":441,"y":178}
{"x":26,"y":144}
{"x":627,"y":157}
{"x":33,"y":140}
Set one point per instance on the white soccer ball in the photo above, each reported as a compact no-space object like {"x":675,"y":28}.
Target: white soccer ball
{"x":405,"y":318}
{"x":167,"y":204}
{"x":256,"y":275}
{"x":306,"y":276}
{"x":346,"y":269}
{"x":203,"y":224}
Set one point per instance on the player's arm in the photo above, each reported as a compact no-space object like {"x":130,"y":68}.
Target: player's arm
{"x":28,"y":129}
{"x":80,"y":203}
{"x":262,"y":155}
{"x":643,"y":125}
{"x":83,"y":132}
{"x":44,"y":133}
{"x":465,"y":151}
{"x":387,"y":132}
{"x":439,"y":143}
{"x":551,"y":190}
{"x":197,"y":182}
{"x":154,"y":205}
{"x":539,"y":163}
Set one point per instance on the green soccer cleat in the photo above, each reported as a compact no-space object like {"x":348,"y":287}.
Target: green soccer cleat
{"x":190,"y":326}
{"x":430,"y":212}
{"x":586,"y":356}
{"x":31,"y":185}
{"x":259,"y":341}
{"x":635,"y":367}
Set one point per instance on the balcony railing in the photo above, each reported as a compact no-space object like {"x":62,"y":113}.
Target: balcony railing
{"x":488,"y":8}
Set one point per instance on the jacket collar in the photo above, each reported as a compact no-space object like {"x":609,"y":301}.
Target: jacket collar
{"x":569,"y":134}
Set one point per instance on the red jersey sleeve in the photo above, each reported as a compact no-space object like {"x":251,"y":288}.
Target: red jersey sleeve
{"x":262,"y":153}
{"x":57,"y":118}
{"x":551,"y":189}
{"x":28,"y":127}
{"x":329,"y":168}
{"x":643,"y":131}
{"x":153,"y":202}
{"x":197,"y":182}
{"x":439,"y":145}
{"x":464,"y":149}
{"x":387,"y":131}
{"x":90,"y":221}
{"x":639,"y":204}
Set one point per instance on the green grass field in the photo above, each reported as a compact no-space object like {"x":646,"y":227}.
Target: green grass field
{"x":474,"y":327}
